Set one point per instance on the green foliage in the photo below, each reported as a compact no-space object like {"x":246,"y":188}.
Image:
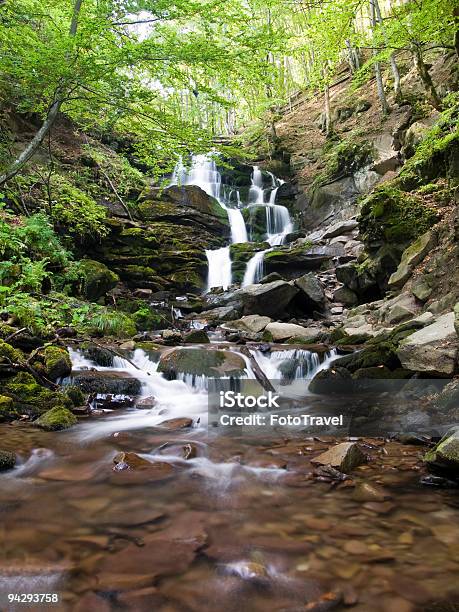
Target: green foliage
{"x":111,"y":323}
{"x":76,"y":211}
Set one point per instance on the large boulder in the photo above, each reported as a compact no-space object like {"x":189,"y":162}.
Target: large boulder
{"x":401,"y":308}
{"x":292,"y":261}
{"x":270,"y":299}
{"x":285,"y":331}
{"x":411,"y":256}
{"x":311,"y":290}
{"x":53,"y":362}
{"x":106,"y":382}
{"x":340,"y":228}
{"x":97,"y":279}
{"x":433,"y":349}
{"x":201,"y":362}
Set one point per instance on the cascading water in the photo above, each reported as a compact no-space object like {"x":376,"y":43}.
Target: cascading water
{"x":204,"y":173}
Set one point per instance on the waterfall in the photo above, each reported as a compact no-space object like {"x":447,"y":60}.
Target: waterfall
{"x":254,"y":270}
{"x":204,"y":173}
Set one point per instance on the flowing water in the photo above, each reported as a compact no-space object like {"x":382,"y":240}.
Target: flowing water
{"x":240,"y":525}
{"x":203,"y":172}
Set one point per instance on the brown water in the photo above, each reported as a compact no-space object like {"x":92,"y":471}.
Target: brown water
{"x":244,"y":526}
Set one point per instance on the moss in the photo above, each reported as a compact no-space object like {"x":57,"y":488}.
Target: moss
{"x":7,"y":410}
{"x":10,"y":353}
{"x":53,"y":362}
{"x":28,"y":396}
{"x":7,"y":460}
{"x":393,"y":216}
{"x":6,"y":330}
{"x":76,"y":395}
{"x":97,"y":279}
{"x":56,"y":419}
{"x":343,"y":158}
{"x":147,"y":319}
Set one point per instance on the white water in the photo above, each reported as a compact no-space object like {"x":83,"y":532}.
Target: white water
{"x":204,"y":173}
{"x":188,"y":396}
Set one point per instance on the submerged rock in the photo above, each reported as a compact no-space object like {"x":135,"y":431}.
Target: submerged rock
{"x":344,"y":457}
{"x":176,"y":424}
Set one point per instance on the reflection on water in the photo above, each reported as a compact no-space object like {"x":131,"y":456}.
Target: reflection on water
{"x":241,"y":525}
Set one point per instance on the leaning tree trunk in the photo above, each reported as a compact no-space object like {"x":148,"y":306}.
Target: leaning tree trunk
{"x":379,"y":81}
{"x":426,"y":79}
{"x":393,"y":63}
{"x":353,"y":56}
{"x":328,"y":122}
{"x":59,"y":98}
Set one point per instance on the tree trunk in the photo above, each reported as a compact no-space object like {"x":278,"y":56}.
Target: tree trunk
{"x":379,"y":81}
{"x":353,"y":56}
{"x":426,"y":78}
{"x":393,"y":63}
{"x":456,"y":33}
{"x":53,"y":112}
{"x":328,"y":122}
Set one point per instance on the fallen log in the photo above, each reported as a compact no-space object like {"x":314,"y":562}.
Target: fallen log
{"x":259,"y":374}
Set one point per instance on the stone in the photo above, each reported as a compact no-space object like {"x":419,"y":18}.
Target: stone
{"x":252,"y":323}
{"x":345,"y":457}
{"x":421,"y":289}
{"x":444,"y":457}
{"x":171,"y":336}
{"x":401,"y":308}
{"x":56,"y":419}
{"x":311,"y":290}
{"x":411,"y":257}
{"x":334,"y":380}
{"x":432,"y":349}
{"x":268,"y":300}
{"x":456,"y":318}
{"x":97,"y":279}
{"x":284,"y":331}
{"x":7,"y":460}
{"x":201,"y":362}
{"x":106,"y":382}
{"x":341,"y":227}
{"x":53,"y":362}
{"x":127,"y":346}
{"x":345,"y":296}
{"x":367,"y":492}
{"x":176,"y":424}
{"x":196,"y":336}
{"x":146,"y":403}
{"x":221,"y":313}
{"x":269,"y":278}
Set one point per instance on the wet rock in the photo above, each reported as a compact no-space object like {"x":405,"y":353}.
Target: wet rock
{"x":270,"y":278}
{"x":97,"y":279}
{"x":433,"y":349}
{"x":56,"y":419}
{"x":127,"y":346}
{"x":196,"y":336}
{"x":131,"y":469}
{"x":141,"y":600}
{"x":222,"y":313}
{"x":146,"y":403}
{"x":190,"y":451}
{"x":7,"y":460}
{"x":311,"y":290}
{"x":112,"y":383}
{"x":344,"y":456}
{"x":131,"y":461}
{"x":100,"y":355}
{"x":248,"y":570}
{"x":444,"y":457}
{"x":201,"y":362}
{"x":413,"y":255}
{"x":176,"y":424}
{"x":113,"y":402}
{"x":367,"y":492}
{"x":284,"y":331}
{"x":335,"y":380}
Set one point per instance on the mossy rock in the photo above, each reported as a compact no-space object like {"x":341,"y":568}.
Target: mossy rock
{"x":9,"y":353}
{"x":393,"y":216}
{"x":6,"y":330}
{"x":97,"y":279}
{"x":381,"y":354}
{"x":196,"y":336}
{"x":56,"y":419}
{"x":444,"y":457}
{"x":147,"y":319}
{"x":53,"y":362}
{"x":201,"y":362}
{"x":31,"y":398}
{"x":76,"y":395}
{"x":7,"y":460}
{"x":7,"y":410}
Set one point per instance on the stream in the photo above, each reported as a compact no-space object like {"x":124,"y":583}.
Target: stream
{"x":240,"y":524}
